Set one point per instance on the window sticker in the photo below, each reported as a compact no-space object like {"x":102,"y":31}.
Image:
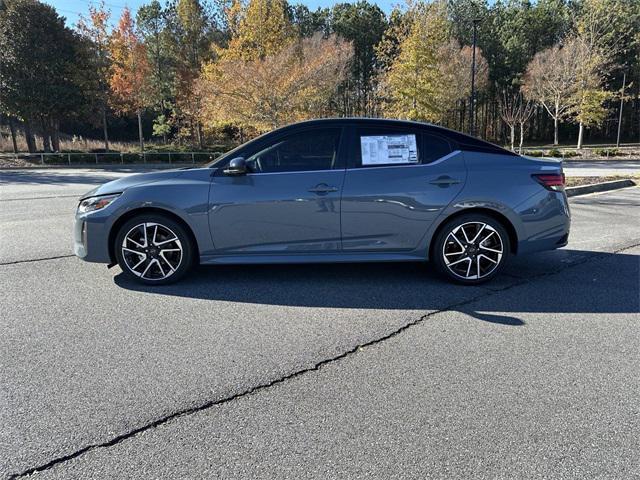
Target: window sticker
{"x":388,"y":149}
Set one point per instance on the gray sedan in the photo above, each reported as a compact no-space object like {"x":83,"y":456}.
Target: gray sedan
{"x":335,"y":190}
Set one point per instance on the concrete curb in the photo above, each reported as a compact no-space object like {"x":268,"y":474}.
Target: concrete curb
{"x":599,"y":187}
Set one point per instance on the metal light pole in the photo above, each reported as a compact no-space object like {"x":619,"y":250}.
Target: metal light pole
{"x":624,"y":81}
{"x":472,"y":106}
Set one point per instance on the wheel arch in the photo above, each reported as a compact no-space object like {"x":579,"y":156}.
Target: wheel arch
{"x":115,"y":228}
{"x":504,"y":221}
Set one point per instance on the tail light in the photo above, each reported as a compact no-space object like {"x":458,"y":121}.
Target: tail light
{"x":550,"y":181}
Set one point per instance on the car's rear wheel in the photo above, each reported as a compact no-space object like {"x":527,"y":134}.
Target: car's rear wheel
{"x":153,"y":249}
{"x":471,"y":249}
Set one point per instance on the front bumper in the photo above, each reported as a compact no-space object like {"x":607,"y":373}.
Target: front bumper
{"x":91,"y":237}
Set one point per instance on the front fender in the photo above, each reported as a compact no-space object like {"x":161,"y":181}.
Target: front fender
{"x":186,"y":197}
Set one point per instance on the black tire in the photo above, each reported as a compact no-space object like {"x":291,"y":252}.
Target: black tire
{"x":170,"y":262}
{"x":454,"y":265}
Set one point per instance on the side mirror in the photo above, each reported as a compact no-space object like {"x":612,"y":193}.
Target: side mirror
{"x":237,"y":166}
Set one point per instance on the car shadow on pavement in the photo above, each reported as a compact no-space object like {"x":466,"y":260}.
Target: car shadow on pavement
{"x":562,"y":281}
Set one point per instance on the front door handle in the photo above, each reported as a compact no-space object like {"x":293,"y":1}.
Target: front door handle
{"x":444,"y":181}
{"x":323,"y":188}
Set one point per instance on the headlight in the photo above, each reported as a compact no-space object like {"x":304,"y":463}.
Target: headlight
{"x":96,"y":203}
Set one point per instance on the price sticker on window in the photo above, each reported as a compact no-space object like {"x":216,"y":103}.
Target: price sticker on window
{"x":388,"y":149}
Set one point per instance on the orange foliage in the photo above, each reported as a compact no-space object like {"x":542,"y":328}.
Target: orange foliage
{"x":293,"y":84}
{"x":130,"y":68}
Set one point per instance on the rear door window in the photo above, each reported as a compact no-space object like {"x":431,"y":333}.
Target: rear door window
{"x":389,"y":149}
{"x":375,"y":147}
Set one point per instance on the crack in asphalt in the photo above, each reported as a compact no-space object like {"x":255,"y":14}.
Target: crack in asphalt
{"x":316,"y":367}
{"x":15,"y":262}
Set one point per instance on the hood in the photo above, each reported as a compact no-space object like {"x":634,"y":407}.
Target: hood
{"x":121,"y":184}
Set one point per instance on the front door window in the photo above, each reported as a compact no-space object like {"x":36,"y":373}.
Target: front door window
{"x":303,"y":151}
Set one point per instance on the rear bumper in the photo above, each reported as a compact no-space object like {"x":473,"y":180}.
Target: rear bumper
{"x":547,"y":223}
{"x":548,"y":243}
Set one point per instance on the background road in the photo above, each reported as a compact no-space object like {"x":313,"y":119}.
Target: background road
{"x":317,"y":371}
{"x":595,"y":168}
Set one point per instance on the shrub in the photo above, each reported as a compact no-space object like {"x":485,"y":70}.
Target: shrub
{"x":606,"y":152}
{"x":554,"y":152}
{"x":571,"y":153}
{"x":535,"y":153}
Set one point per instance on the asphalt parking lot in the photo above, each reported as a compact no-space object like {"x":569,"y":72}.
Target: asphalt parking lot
{"x":317,"y":371}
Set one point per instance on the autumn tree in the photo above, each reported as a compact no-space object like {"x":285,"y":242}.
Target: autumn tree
{"x":263,"y":29}
{"x":294,"y":84}
{"x":588,"y":100}
{"x":515,"y":111}
{"x":414,"y":82}
{"x":95,"y":30}
{"x":129,"y":71}
{"x":601,"y":28}
{"x":254,"y":62}
{"x":550,"y":81}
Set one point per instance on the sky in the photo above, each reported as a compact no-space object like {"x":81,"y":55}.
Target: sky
{"x":71,"y":9}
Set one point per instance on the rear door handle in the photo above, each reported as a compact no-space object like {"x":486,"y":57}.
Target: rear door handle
{"x":323,"y":188}
{"x":444,"y":181}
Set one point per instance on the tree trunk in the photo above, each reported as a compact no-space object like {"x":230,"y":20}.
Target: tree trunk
{"x":485,"y":127}
{"x":28,"y":135}
{"x":46,"y":143}
{"x":512,"y":127}
{"x":104,"y":128}
{"x":139,"y":112}
{"x":555,"y":130}
{"x":521,"y":138}
{"x":580,"y":135}
{"x":199,"y":130}
{"x":55,"y":136}
{"x":14,"y":141}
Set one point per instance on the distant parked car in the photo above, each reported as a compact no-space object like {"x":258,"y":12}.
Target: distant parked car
{"x":336,"y":190}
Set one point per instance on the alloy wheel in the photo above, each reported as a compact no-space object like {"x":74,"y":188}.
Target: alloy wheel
{"x":152,"y":251}
{"x":473,"y":250}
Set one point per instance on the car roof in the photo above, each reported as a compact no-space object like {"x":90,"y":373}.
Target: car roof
{"x":459,"y":140}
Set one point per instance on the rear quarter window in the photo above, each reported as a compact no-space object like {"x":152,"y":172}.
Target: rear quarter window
{"x":434,"y":148}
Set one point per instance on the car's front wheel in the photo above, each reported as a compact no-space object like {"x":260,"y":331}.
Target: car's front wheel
{"x":153,"y":249}
{"x":471,"y":249}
